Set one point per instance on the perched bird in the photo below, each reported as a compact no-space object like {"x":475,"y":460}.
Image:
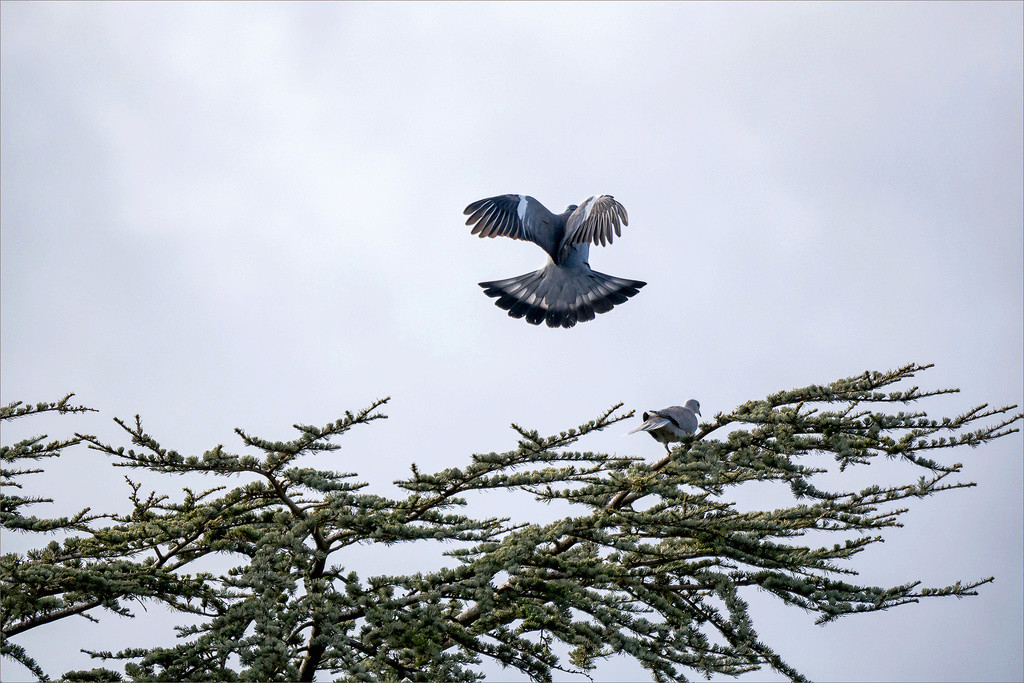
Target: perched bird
{"x":565,"y":291}
{"x":672,"y":423}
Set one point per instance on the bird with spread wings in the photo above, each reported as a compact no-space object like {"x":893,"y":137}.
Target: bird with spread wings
{"x":565,"y":291}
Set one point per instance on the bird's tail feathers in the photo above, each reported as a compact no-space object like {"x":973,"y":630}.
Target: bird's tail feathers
{"x":652,"y":423}
{"x":560,"y":297}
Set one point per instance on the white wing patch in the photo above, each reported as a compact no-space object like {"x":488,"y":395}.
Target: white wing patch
{"x":521,"y":209}
{"x":588,"y":207}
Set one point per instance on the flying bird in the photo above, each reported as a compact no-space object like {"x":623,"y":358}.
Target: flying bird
{"x":565,"y":291}
{"x":672,"y":423}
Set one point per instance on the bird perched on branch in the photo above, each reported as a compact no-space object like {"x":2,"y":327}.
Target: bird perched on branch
{"x":672,"y":423}
{"x":565,"y":291}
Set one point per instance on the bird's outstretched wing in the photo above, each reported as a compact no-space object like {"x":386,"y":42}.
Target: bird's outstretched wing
{"x":513,"y":215}
{"x":596,"y":220}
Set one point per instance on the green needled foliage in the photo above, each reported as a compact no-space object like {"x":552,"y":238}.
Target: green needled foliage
{"x":653,"y":565}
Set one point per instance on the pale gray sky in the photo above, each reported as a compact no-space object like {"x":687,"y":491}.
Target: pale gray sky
{"x":222,"y":215}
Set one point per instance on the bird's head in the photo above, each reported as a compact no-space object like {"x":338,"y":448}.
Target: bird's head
{"x":571,"y":208}
{"x":693,"y":405}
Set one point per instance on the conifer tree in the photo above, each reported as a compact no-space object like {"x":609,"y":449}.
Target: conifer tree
{"x":653,"y":566}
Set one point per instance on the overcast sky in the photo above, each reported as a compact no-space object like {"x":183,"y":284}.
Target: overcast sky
{"x":250,"y":215}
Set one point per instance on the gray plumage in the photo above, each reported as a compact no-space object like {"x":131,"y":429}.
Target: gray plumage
{"x":565,"y":291}
{"x":672,"y":423}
